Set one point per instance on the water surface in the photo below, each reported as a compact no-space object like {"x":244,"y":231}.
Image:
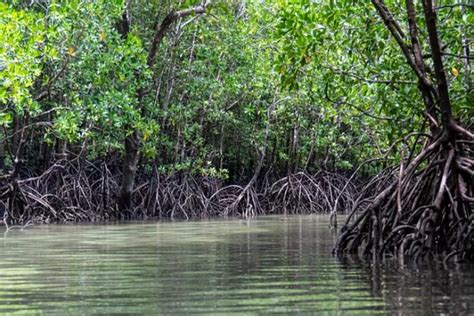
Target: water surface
{"x":260,"y":266}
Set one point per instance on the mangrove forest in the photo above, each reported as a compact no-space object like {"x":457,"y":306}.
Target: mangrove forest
{"x":360,"y":113}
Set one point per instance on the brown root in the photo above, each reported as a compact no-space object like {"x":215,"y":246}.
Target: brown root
{"x":78,"y":190}
{"x":235,"y":200}
{"x":302,"y":193}
{"x":422,"y":211}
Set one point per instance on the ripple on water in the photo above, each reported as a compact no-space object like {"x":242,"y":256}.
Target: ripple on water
{"x":269,"y":265}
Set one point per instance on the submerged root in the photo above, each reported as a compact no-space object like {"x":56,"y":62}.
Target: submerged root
{"x":424,"y":209}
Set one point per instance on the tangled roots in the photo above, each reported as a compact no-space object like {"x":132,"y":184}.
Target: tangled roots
{"x":235,"y":200}
{"x":178,"y":195}
{"x":81,"y":191}
{"x":423,"y":209}
{"x":303,"y":193}
{"x":66,"y":192}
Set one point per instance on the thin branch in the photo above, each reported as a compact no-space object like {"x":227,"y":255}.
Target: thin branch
{"x":391,"y":24}
{"x":451,"y":6}
{"x":368,"y":80}
{"x":442,"y":83}
{"x":165,"y":25}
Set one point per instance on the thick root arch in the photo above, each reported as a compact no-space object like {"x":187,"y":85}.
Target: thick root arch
{"x":427,"y":210}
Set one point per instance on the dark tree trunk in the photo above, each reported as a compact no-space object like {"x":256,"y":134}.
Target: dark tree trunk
{"x":441,"y":81}
{"x":15,"y":140}
{"x":129,"y":167}
{"x":131,"y":143}
{"x":418,"y":56}
{"x":418,"y":214}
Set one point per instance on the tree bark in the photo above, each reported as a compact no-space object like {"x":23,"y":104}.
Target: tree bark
{"x":441,"y":81}
{"x":130,"y":162}
{"x":466,"y":51}
{"x":394,"y":29}
{"x":418,"y":55}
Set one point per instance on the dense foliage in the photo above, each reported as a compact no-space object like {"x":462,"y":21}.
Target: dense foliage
{"x":69,"y":75}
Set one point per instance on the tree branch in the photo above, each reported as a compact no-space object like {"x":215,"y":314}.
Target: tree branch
{"x":165,"y":25}
{"x":418,"y":55}
{"x":393,"y":27}
{"x":442,"y":83}
{"x":368,"y":80}
{"x":451,"y":6}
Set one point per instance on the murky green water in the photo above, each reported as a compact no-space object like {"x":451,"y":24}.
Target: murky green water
{"x":261,"y":266}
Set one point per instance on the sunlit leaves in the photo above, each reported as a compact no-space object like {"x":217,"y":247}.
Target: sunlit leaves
{"x":21,"y":44}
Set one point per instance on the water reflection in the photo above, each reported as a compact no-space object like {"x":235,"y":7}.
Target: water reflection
{"x":421,"y":289}
{"x":271,"y":264}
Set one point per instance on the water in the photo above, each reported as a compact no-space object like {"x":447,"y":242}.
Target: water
{"x":261,"y":266}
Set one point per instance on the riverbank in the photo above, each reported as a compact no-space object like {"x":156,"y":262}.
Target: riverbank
{"x":83,"y":191}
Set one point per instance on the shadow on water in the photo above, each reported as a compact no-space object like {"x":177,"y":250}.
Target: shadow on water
{"x":271,"y":264}
{"x":428,"y":288}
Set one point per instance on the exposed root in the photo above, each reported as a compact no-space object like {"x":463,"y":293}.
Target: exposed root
{"x":81,"y":191}
{"x":303,"y":193}
{"x":423,"y":209}
{"x":178,"y":195}
{"x":66,"y":192}
{"x":234,"y":200}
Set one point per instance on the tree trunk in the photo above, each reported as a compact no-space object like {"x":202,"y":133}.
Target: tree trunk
{"x":129,"y":168}
{"x":419,"y":213}
{"x":442,"y":82}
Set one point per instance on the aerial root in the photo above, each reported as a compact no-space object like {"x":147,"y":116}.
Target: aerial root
{"x":302,"y":193}
{"x":78,"y":190}
{"x":422,"y":211}
{"x":176,"y":196}
{"x":69,"y":191}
